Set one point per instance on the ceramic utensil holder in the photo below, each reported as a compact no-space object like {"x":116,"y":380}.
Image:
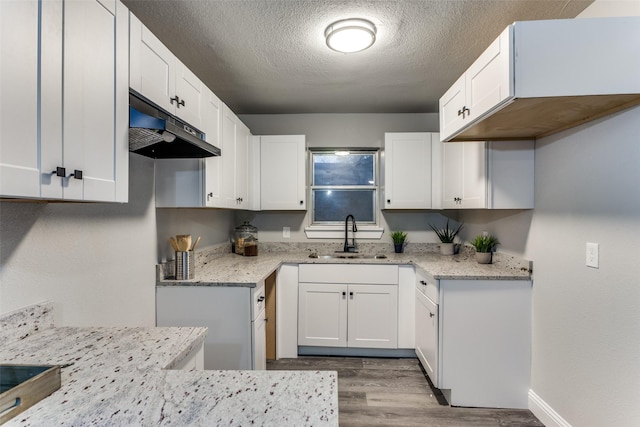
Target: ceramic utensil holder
{"x":185,"y":265}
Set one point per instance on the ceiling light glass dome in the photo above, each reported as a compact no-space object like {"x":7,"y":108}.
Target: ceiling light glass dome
{"x":350,"y":35}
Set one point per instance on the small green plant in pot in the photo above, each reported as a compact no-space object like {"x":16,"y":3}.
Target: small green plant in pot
{"x":399,"y":238}
{"x":447,"y":236}
{"x":484,"y":245}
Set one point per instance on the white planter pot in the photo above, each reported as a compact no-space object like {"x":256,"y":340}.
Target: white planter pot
{"x":483,"y":257}
{"x":446,"y":249}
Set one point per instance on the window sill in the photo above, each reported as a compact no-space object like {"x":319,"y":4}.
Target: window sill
{"x":338,"y":232}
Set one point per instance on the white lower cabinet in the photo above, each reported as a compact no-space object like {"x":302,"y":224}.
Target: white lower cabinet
{"x":353,"y":306}
{"x":473,"y":337}
{"x":234,"y":317}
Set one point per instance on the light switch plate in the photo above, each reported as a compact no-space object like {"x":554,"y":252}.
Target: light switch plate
{"x":593,"y":255}
{"x":286,"y":232}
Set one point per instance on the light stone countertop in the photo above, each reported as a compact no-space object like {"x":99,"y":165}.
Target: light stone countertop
{"x":118,"y":377}
{"x":215,"y":269}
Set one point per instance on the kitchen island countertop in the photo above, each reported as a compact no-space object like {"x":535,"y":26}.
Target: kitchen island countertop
{"x":120,"y":376}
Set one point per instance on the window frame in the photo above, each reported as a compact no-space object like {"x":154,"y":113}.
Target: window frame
{"x":375,"y":187}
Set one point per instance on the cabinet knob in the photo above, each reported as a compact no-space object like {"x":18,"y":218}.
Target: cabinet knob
{"x":301,"y":202}
{"x":431,"y":314}
{"x":209,"y":195}
{"x":261,"y":298}
{"x":423,"y":282}
{"x":389,"y":201}
{"x":351,"y":294}
{"x":344,"y":294}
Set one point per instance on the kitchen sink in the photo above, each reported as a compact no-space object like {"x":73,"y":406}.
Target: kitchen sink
{"x":347,"y":255}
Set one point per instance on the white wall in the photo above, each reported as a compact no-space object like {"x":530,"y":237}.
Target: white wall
{"x":586,"y":322}
{"x":94,"y":261}
{"x":212,"y":225}
{"x":341,"y":130}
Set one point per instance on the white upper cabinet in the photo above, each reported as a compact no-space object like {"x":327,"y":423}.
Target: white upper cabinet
{"x":83,"y":95}
{"x":407,"y":170}
{"x":541,"y":77}
{"x":215,"y":182}
{"x":158,"y":75}
{"x":481,"y":88}
{"x":492,"y":175}
{"x":282,"y":172}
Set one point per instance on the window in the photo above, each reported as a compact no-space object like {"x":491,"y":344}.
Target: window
{"x":343,"y":184}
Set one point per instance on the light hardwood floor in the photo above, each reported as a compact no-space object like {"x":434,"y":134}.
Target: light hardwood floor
{"x":396,"y":392}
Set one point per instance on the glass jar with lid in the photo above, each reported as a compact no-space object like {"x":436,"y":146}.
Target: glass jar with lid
{"x":246,"y":234}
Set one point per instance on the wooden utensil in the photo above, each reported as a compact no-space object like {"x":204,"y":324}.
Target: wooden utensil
{"x":174,"y":244}
{"x":193,"y":247}
{"x":184,"y":242}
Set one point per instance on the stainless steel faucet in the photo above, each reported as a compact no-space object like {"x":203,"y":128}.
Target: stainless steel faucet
{"x":347,"y":246}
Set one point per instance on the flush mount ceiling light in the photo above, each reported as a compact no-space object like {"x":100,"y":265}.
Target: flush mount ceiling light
{"x":350,"y":35}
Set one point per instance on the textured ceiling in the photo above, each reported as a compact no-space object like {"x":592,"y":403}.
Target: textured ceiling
{"x":269,"y":56}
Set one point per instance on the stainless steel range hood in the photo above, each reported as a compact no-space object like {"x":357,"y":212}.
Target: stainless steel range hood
{"x":155,"y":133}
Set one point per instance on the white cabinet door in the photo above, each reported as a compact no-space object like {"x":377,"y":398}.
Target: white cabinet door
{"x":191,"y":92}
{"x":451,"y":105}
{"x":322,"y":315}
{"x":229,"y":132}
{"x":91,"y":90}
{"x":282,"y":172}
{"x":489,"y":80}
{"x":152,"y":65}
{"x":373,"y":316}
{"x":427,"y":334}
{"x":464,"y":175}
{"x":260,"y":342}
{"x":407,"y":170}
{"x":19,"y":168}
{"x":242,"y":166}
{"x":212,"y":127}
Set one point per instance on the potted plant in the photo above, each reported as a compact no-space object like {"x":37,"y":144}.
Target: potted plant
{"x":399,"y":238}
{"x":447,"y":236}
{"x":484,"y":245}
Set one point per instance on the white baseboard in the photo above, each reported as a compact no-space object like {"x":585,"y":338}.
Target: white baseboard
{"x":544,"y":412}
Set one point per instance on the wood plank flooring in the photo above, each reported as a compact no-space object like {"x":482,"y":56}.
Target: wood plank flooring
{"x":396,"y":392}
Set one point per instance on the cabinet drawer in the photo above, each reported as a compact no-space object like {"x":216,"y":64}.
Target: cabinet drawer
{"x":349,"y":273}
{"x":427,"y":285}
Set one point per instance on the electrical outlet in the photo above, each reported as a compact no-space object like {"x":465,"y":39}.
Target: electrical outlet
{"x":286,"y":232}
{"x":592,"y":254}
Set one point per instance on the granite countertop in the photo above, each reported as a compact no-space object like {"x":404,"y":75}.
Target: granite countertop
{"x":226,"y":269}
{"x":119,"y":376}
